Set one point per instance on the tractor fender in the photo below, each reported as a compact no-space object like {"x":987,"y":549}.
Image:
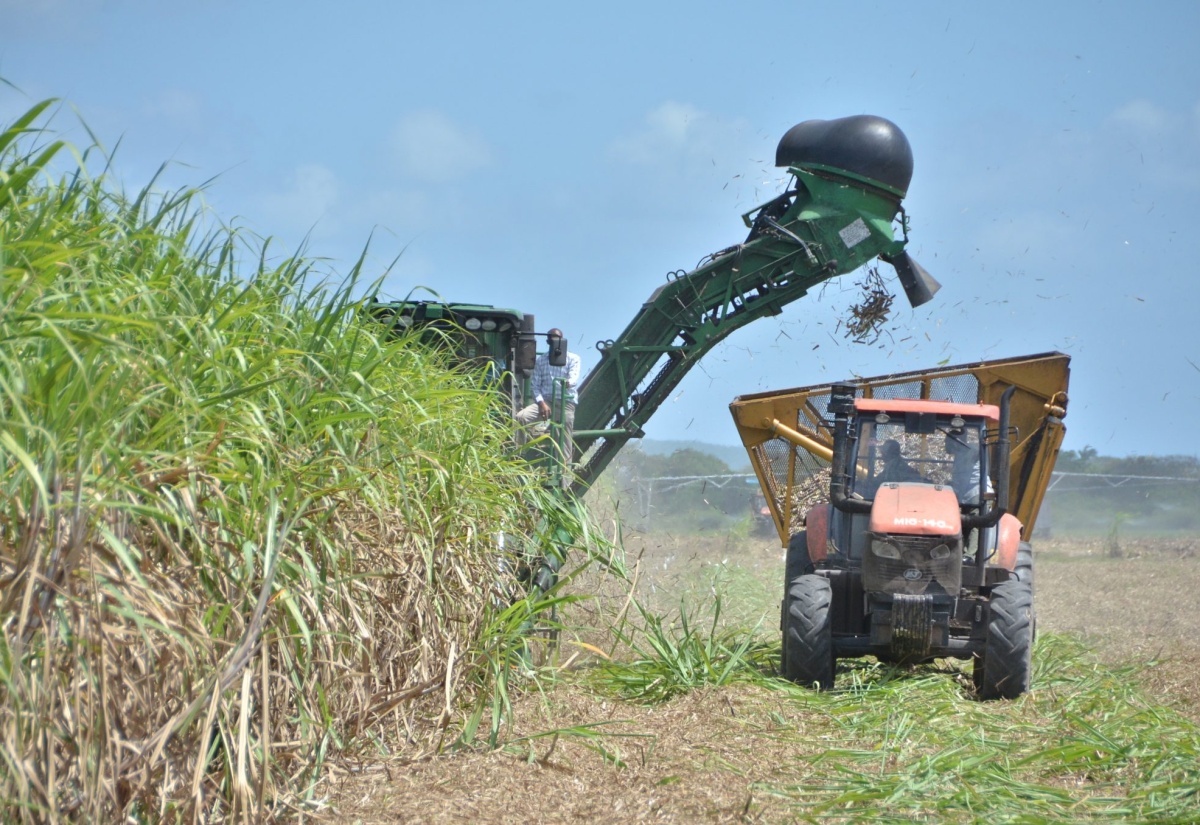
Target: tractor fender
{"x":1008,"y":540}
{"x":816,"y":521}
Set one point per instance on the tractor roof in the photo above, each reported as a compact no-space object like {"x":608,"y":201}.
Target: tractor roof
{"x":991,"y":412}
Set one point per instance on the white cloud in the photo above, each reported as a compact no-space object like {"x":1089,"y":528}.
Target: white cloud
{"x":670,"y":129}
{"x":307,"y":199}
{"x":1142,"y":117}
{"x":428,"y":146}
{"x":691,"y":162}
{"x":1161,"y":146}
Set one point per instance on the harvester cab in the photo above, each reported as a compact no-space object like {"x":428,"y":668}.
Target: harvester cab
{"x":494,"y":340}
{"x":903,"y":502}
{"x":499,"y":345}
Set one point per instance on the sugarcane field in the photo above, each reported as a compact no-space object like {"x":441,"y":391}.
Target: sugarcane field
{"x":656,"y":414}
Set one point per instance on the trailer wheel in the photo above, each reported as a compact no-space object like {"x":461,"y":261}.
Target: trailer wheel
{"x":808,"y":632}
{"x":1004,"y":670}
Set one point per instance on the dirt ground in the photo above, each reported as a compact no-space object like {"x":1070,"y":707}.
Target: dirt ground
{"x":698,"y":758}
{"x":1143,"y":606}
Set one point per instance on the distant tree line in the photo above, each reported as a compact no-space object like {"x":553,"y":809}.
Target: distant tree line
{"x":684,"y":490}
{"x":691,"y":490}
{"x":1135,"y":495}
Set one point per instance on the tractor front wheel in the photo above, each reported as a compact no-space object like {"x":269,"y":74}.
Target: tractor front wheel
{"x":1024,"y":571}
{"x":796,"y":563}
{"x":1005,"y":668}
{"x":808,"y":632}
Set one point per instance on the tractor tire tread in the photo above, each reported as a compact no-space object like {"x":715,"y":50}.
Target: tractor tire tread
{"x":808,"y":638}
{"x":1007,"y":659}
{"x":1024,"y":571}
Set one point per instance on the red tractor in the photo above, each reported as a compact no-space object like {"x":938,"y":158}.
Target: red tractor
{"x":913,"y":549}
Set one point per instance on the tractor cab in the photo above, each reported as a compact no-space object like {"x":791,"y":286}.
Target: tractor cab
{"x":922,"y":442}
{"x":916,"y":480}
{"x":922,"y":466}
{"x":910,"y":479}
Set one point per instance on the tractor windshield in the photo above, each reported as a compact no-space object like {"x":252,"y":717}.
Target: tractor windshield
{"x":897,"y":449}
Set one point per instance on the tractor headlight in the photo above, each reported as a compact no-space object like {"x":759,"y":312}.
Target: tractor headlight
{"x":885,"y":549}
{"x":472,"y":324}
{"x":940,"y":552}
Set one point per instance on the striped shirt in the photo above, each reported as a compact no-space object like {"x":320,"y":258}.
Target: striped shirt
{"x":544,"y":375}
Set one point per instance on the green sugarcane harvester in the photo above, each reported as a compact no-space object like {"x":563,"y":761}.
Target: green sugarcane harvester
{"x":849,"y":177}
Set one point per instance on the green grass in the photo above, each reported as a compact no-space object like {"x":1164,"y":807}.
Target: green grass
{"x":668,"y":657}
{"x":1085,"y":745}
{"x":901,"y":745}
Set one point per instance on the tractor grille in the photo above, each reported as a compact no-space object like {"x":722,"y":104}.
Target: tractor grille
{"x":916,"y":572}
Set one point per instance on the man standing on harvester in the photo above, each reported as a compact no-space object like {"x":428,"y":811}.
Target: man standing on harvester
{"x":554,"y":382}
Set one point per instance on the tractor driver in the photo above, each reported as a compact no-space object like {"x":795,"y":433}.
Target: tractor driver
{"x":894,"y":469}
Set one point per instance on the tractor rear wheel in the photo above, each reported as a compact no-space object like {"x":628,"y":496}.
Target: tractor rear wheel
{"x":1024,"y":572}
{"x":808,"y":632}
{"x":1005,"y":668}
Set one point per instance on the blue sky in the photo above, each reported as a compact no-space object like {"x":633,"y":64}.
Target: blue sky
{"x":561,"y":159}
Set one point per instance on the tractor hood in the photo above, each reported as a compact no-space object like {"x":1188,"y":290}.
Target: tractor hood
{"x":914,"y":509}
